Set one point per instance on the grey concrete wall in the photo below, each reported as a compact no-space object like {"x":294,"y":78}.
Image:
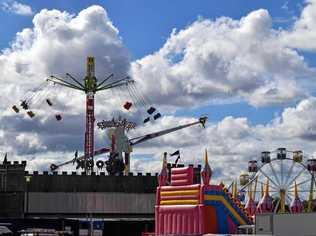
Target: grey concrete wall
{"x":286,"y":224}
{"x":294,"y":224}
{"x":91,"y":202}
{"x":264,"y":224}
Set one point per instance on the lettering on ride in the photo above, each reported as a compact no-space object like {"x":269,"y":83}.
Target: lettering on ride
{"x":124,"y":123}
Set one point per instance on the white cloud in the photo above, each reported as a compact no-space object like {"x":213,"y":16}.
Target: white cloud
{"x":17,"y":8}
{"x":303,"y":35}
{"x":30,"y":142}
{"x":223,"y":59}
{"x":295,"y":122}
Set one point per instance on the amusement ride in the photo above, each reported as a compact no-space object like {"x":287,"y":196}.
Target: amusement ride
{"x":120,"y":145}
{"x":282,"y":181}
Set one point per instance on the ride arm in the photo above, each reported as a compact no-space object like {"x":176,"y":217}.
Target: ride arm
{"x":96,"y":153}
{"x":118,"y":83}
{"x":75,"y":80}
{"x":133,"y":141}
{"x":106,"y":79}
{"x":62,"y":82}
{"x":144,"y":138}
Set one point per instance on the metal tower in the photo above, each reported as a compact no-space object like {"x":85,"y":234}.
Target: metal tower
{"x":90,"y":87}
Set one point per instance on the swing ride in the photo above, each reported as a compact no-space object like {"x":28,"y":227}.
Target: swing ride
{"x":117,"y":133}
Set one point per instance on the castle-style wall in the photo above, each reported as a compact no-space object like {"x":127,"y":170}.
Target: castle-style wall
{"x":12,"y":176}
{"x":11,"y":204}
{"x":12,"y":186}
{"x":62,"y":193}
{"x":72,"y":182}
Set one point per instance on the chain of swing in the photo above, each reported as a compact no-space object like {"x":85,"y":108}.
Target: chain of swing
{"x":44,"y":94}
{"x":140,"y":102}
{"x":36,"y":97}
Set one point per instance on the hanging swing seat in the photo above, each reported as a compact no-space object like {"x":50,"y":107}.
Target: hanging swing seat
{"x":58,"y":117}
{"x":16,"y":109}
{"x":49,"y":102}
{"x":31,"y":114}
{"x":24,"y":105}
{"x":147,"y":120}
{"x":151,"y":110}
{"x":157,"y":116}
{"x":127,"y":105}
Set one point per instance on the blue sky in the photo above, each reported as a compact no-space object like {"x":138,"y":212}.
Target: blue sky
{"x":145,"y":26}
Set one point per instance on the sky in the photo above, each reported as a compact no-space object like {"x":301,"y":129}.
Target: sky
{"x":248,"y":65}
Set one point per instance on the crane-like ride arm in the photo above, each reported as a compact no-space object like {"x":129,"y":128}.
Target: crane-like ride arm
{"x":134,"y":141}
{"x":100,"y":151}
{"x":141,"y":139}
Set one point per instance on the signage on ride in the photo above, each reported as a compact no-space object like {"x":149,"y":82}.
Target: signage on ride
{"x":124,"y":123}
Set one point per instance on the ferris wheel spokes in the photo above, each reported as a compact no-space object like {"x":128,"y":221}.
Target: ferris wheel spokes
{"x":289,"y":174}
{"x":289,"y":183}
{"x":300,"y":183}
{"x":251,"y":180}
{"x":270,"y":186}
{"x":287,"y":199}
{"x":274,"y":174}
{"x":267,"y":176}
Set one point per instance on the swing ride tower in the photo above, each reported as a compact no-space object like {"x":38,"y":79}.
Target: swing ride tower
{"x":90,"y":87}
{"x":90,"y":83}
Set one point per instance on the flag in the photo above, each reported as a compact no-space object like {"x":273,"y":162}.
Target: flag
{"x":175,"y":153}
{"x":5,"y":158}
{"x":76,"y":156}
{"x":178,"y":158}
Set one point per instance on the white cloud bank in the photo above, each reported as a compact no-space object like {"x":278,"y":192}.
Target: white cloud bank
{"x":303,"y":35}
{"x":17,"y":8}
{"x":232,"y":142}
{"x":224,"y":58}
{"x":208,"y":60}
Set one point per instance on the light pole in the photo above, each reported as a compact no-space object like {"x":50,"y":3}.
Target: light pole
{"x":27,"y":180}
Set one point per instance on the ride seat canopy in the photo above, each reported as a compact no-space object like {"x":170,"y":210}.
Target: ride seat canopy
{"x":49,"y":102}
{"x":252,"y":166}
{"x":281,"y":153}
{"x":16,"y":109}
{"x":24,"y":105}
{"x":127,"y":105}
{"x":158,"y":115}
{"x":58,"y":117}
{"x":151,"y":110}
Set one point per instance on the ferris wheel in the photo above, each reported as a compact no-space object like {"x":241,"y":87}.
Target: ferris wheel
{"x":289,"y":174}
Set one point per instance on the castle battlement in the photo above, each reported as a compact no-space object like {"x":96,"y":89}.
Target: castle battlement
{"x":14,"y":164}
{"x":72,"y":173}
{"x":17,"y":179}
